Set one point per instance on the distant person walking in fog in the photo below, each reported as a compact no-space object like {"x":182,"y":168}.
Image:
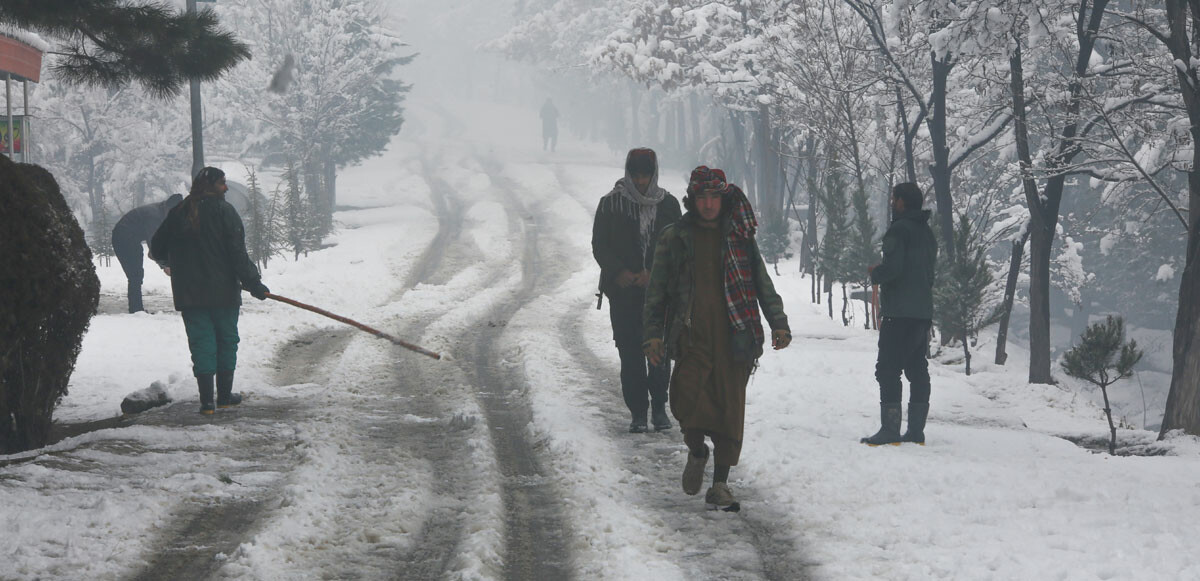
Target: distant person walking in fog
{"x":134,"y":228}
{"x":702,"y":309}
{"x":905,"y":279}
{"x":628,"y":221}
{"x":204,"y":245}
{"x":549,"y":125}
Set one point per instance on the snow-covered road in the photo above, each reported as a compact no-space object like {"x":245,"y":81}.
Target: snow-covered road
{"x":509,"y":459}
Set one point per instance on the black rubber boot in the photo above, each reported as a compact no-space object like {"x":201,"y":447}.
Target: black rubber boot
{"x":205,"y":382}
{"x":225,"y":396}
{"x":135,"y":297}
{"x":889,"y":432}
{"x":917,"y":412}
{"x":658,"y":417}
{"x":638,"y":425}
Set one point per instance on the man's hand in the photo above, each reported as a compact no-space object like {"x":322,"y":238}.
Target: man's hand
{"x":871,"y":269}
{"x":642,"y":279}
{"x":258,"y":290}
{"x":781,"y":338}
{"x":625,"y":279}
{"x":653,"y":349}
{"x":167,"y":270}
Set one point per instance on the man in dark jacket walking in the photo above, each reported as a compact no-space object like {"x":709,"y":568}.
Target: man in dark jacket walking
{"x":905,"y":278}
{"x":708,"y":294}
{"x":624,"y":234}
{"x":549,"y":115}
{"x":134,"y":228}
{"x":204,"y":243}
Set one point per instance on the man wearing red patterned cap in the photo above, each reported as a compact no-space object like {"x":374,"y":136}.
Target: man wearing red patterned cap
{"x":627,"y":224}
{"x":702,"y":310}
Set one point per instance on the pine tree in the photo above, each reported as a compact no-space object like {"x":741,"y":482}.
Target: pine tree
{"x":295,"y":214}
{"x":960,"y":293}
{"x":863,"y":252}
{"x":775,"y":240}
{"x":832,"y":258}
{"x":108,"y":43}
{"x":101,"y":245}
{"x":262,"y":230}
{"x":1103,"y":358}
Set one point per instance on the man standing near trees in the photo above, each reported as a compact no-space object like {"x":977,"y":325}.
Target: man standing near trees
{"x":905,"y":278}
{"x":702,"y":309}
{"x":135,"y":227}
{"x":624,"y":234}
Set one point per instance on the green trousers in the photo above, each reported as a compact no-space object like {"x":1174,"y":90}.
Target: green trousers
{"x":213,"y":339}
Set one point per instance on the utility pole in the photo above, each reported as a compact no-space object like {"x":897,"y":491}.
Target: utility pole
{"x":197,"y":118}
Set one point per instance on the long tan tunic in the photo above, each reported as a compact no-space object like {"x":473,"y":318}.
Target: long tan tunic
{"x":708,"y":388}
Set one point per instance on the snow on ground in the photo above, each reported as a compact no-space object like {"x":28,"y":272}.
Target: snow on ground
{"x":994,"y":495}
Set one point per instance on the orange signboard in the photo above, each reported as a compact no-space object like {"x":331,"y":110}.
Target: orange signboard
{"x":20,"y":59}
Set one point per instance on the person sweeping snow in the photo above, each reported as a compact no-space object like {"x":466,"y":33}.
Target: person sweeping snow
{"x":710,"y":279}
{"x":203,"y":243}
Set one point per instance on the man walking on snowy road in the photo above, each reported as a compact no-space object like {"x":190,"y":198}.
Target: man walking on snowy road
{"x":204,"y":244}
{"x":549,"y":115}
{"x":702,"y":309}
{"x":134,"y":228}
{"x":905,"y":279}
{"x":624,"y":234}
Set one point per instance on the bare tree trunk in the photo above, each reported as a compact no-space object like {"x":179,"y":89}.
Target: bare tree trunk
{"x":769,"y":193}
{"x":1112,"y":428}
{"x":940,"y":171}
{"x":910,"y":162}
{"x":1010,"y":292}
{"x":967,"y":354}
{"x":635,"y":103}
{"x":1183,"y":400}
{"x":829,"y":295}
{"x":697,"y":137}
{"x":1041,"y":241}
{"x":1044,"y":208}
{"x":845,"y":307}
{"x":681,"y":143}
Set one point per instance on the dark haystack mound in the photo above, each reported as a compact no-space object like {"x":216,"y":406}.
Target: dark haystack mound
{"x":49,"y":293}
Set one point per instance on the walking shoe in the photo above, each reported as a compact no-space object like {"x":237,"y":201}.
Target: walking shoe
{"x":660,"y":420}
{"x":225,"y":396}
{"x":693,"y":473}
{"x":205,"y":383}
{"x":889,"y":431}
{"x":638,"y":426}
{"x":719,"y":497}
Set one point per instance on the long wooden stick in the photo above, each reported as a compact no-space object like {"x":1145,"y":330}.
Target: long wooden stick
{"x":875,"y":304}
{"x":354,"y":323}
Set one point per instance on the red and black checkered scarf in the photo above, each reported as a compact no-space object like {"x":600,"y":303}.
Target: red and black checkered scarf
{"x":741,"y":296}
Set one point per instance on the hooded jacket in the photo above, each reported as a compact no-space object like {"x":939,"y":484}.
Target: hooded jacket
{"x":905,"y":277}
{"x":209,"y":264}
{"x":617,"y":239}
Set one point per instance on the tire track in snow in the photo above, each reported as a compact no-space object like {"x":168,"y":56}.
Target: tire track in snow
{"x":441,"y":546}
{"x":535,"y":530}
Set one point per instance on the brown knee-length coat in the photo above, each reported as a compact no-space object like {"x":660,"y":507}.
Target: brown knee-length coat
{"x":685,"y":305}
